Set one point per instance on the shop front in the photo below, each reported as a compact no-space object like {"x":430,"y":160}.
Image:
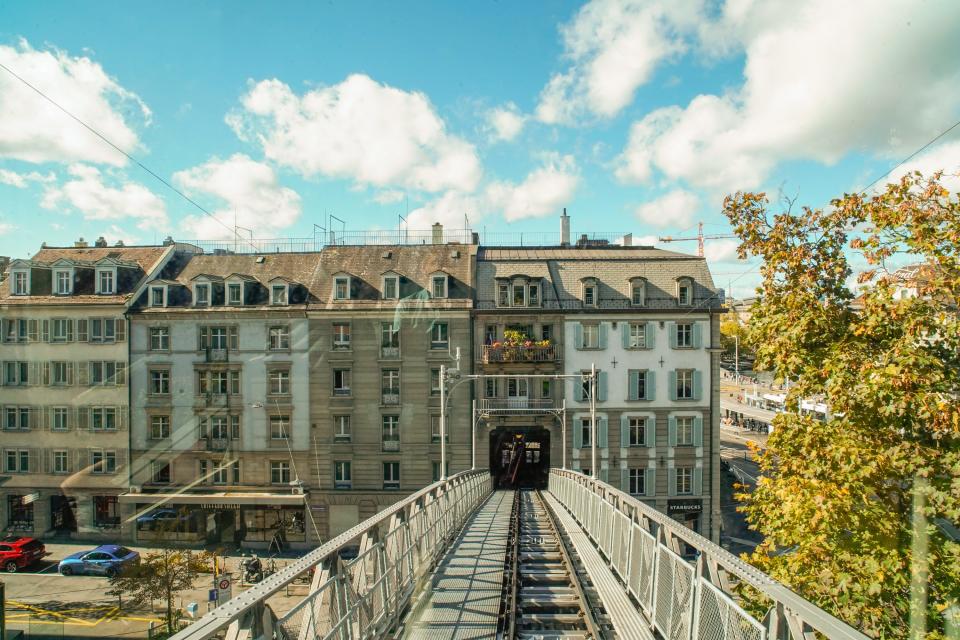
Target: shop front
{"x":686,"y":511}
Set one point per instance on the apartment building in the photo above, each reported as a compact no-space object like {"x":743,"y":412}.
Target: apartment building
{"x":220,"y":387}
{"x":387,"y":318}
{"x":64,"y":387}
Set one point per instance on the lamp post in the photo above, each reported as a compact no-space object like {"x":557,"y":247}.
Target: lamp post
{"x":443,"y":422}
{"x":593,"y":421}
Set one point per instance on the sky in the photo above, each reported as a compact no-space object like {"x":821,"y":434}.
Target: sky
{"x":635,"y":116}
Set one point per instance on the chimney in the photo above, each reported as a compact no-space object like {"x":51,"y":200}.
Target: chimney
{"x":564,"y":229}
{"x":80,"y":244}
{"x":628,"y":240}
{"x":168,"y":241}
{"x":101,"y":242}
{"x":119,"y":244}
{"x":437,"y":233}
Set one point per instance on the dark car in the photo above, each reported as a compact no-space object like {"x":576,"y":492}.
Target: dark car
{"x":105,"y":560}
{"x":18,"y":552}
{"x":159,"y":519}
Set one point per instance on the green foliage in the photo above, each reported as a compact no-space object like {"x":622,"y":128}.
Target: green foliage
{"x":160,"y":576}
{"x":841,"y":492}
{"x":732,"y":328}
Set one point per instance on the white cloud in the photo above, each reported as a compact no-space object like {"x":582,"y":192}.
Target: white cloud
{"x":249,"y":193}
{"x":673,"y":209}
{"x":6,"y":227}
{"x":541,"y":193}
{"x":814,"y":89}
{"x":359,"y":130}
{"x":723,"y":250}
{"x":23,"y":180}
{"x":614,"y":46}
{"x":34,"y":130}
{"x":448,"y":210}
{"x":944,"y":157}
{"x":389,"y":196}
{"x":505,"y":123}
{"x":87,"y":192}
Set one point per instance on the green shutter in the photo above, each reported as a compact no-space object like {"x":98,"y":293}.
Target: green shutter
{"x":602,"y":331}
{"x":672,"y":432}
{"x":650,"y":337}
{"x":650,"y":482}
{"x":625,"y":335}
{"x":651,"y":385}
{"x":672,"y":383}
{"x":672,"y":334}
{"x":625,"y":480}
{"x":650,"y":433}
{"x":698,"y":431}
{"x":577,"y":435}
{"x":697,"y":335}
{"x":604,"y":475}
{"x":697,"y":481}
{"x":697,"y":384}
{"x":624,"y":431}
{"x":578,"y":335}
{"x":602,"y":386}
{"x":578,"y":389}
{"x":633,"y":378}
{"x":671,"y":482}
{"x":602,"y":433}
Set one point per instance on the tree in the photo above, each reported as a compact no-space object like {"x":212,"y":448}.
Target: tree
{"x":161,"y":575}
{"x":733,"y":329}
{"x":838,"y":498}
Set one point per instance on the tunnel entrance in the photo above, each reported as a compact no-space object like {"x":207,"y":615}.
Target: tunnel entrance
{"x":520,"y":457}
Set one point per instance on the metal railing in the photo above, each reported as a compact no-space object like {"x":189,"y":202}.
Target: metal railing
{"x":363,"y":597}
{"x":518,"y":353}
{"x":507,"y":405}
{"x":683,"y":599}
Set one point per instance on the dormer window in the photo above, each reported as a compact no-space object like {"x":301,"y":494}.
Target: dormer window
{"x":21,"y":283}
{"x":503,"y":294}
{"x":235,"y":293}
{"x":590,"y":292}
{"x":533,"y":295}
{"x":63,"y":282}
{"x":341,"y":288}
{"x":519,"y":294}
{"x":638,"y":292}
{"x":201,"y":295}
{"x":278,"y":294}
{"x":106,"y":281}
{"x":391,"y":287}
{"x":158,"y":296}
{"x":684,"y":292}
{"x":438,"y":288}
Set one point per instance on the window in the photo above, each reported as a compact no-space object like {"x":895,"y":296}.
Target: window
{"x":586,"y":386}
{"x":103,"y":418}
{"x":439,"y":336}
{"x":684,"y":480}
{"x":216,"y":382}
{"x":160,"y":472}
{"x":219,"y":338}
{"x":638,"y":336}
{"x":684,"y":334}
{"x":279,"y":472}
{"x":279,"y":382}
{"x":159,"y":427}
{"x":435,"y":382}
{"x":62,"y":330}
{"x":103,"y":461}
{"x":16,"y":418}
{"x":590,"y":295}
{"x":591,"y":336}
{"x":389,"y":340}
{"x":684,"y":390}
{"x":279,"y":338}
{"x":279,"y":427}
{"x":159,"y":338}
{"x":517,"y":388}
{"x":341,"y":429}
{"x":60,"y":373}
{"x":503,"y":294}
{"x":16,"y":373}
{"x":220,"y":428}
{"x":546,"y":388}
{"x":391,"y":433}
{"x":637,"y":481}
{"x":491,"y":387}
{"x":201,"y":294}
{"x":342,"y":475}
{"x":390,"y":386}
{"x":519,"y":295}
{"x":20,"y":283}
{"x":234,"y":293}
{"x":438,"y":288}
{"x":278,"y":294}
{"x":341,"y":335}
{"x":638,"y":293}
{"x":546,"y":332}
{"x":684,"y":431}
{"x":16,"y":331}
{"x":60,"y":461}
{"x":391,"y":475}
{"x":638,"y":432}
{"x":157,"y":295}
{"x":684,"y":292}
{"x":104,"y":373}
{"x":638,"y":385}
{"x":533,"y":295}
{"x":17,"y":461}
{"x":106,"y":512}
{"x":585,"y":431}
{"x":390,"y":288}
{"x":63,"y":282}
{"x":105,"y":281}
{"x":103,"y":329}
{"x":159,"y":381}
{"x":435,"y":429}
{"x":60,"y":419}
{"x":341,"y":382}
{"x":341,"y":289}
{"x":19,"y":513}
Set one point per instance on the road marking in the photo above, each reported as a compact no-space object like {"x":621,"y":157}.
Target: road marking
{"x":39,"y":615}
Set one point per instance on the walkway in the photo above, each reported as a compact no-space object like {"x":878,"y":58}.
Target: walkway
{"x":463,"y":601}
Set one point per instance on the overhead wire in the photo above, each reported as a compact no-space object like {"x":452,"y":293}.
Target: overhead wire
{"x":911,"y":156}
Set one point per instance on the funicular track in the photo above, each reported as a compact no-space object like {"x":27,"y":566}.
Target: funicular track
{"x":547,"y":594}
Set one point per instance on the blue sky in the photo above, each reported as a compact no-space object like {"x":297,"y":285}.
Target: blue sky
{"x":638,"y":116}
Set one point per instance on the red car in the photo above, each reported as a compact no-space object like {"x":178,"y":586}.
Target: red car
{"x":17,"y":553}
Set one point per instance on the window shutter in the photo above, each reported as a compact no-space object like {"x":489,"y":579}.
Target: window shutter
{"x":82,"y":335}
{"x":602,"y":331}
{"x":234,"y":338}
{"x":201,"y":338}
{"x":650,"y":433}
{"x":120,"y":329}
{"x":32,"y":330}
{"x":577,"y":435}
{"x":671,"y":482}
{"x":578,"y":335}
{"x":83,"y":374}
{"x":651,"y":385}
{"x":602,"y":386}
{"x":633,"y":378}
{"x":34,"y":373}
{"x":697,"y":481}
{"x":47,"y":465}
{"x":82,"y":417}
{"x":672,"y":333}
{"x":624,"y":431}
{"x":697,"y":335}
{"x":650,"y":482}
{"x":625,"y":480}
{"x":697,"y":383}
{"x":625,"y":335}
{"x":604,"y":475}
{"x":121,"y":417}
{"x":672,"y":432}
{"x":45,"y":331}
{"x":46,"y":374}
{"x":70,"y":373}
{"x":4,"y":329}
{"x":602,"y":433}
{"x":672,"y":383}
{"x":578,"y":390}
{"x":698,"y":431}
{"x":121,"y":375}
{"x":650,"y":335}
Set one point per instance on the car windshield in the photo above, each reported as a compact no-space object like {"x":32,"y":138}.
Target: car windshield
{"x":122,"y":552}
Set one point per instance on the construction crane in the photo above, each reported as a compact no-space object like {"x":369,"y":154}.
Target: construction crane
{"x":699,"y":238}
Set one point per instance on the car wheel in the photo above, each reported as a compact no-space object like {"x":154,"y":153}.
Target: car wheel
{"x":112,"y":571}
{"x":11,"y":567}
{"x":66,"y":571}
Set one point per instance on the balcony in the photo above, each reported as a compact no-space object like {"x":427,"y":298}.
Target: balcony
{"x":390,"y":397}
{"x":391,"y":445}
{"x":518,"y":405}
{"x":389,"y":353}
{"x":217,"y":355}
{"x":217,"y":444}
{"x":490,"y":354}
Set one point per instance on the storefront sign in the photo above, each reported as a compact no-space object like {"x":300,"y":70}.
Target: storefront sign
{"x":680,"y":507}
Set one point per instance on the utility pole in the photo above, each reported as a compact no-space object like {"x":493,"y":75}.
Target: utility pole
{"x":593,"y":421}
{"x":443,"y":422}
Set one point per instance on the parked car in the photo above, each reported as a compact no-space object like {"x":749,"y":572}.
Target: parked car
{"x":18,"y":552}
{"x":160,"y":519}
{"x":105,"y":560}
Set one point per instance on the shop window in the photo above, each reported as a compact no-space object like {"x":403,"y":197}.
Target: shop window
{"x":106,"y":512}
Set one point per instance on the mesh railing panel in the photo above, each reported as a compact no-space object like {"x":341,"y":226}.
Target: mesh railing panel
{"x":718,"y":617}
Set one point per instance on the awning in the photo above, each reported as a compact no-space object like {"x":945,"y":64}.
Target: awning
{"x":749,"y":412}
{"x":220,"y":500}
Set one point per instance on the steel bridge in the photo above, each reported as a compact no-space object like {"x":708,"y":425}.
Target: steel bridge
{"x":579,"y":559}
